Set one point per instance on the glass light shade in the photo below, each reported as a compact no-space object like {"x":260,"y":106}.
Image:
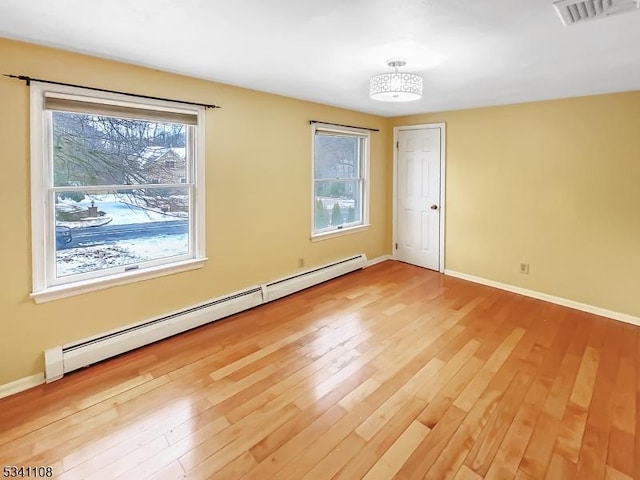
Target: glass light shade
{"x":395,"y":87}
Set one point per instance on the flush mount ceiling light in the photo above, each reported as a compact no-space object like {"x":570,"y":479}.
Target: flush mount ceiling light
{"x":395,"y":86}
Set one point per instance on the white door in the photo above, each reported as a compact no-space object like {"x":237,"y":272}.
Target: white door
{"x":418,"y":196}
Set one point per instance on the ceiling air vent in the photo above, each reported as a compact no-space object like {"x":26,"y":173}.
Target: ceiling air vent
{"x":577,"y":11}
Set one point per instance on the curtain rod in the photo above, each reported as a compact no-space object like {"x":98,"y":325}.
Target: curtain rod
{"x":28,"y":81}
{"x":341,"y":125}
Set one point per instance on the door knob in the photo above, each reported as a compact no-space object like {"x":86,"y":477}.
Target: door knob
{"x":434,"y":207}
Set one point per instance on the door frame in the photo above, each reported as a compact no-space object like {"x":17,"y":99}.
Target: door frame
{"x":443,"y":137}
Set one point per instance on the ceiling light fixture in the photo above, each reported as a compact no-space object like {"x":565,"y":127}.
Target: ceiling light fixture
{"x":395,"y":86}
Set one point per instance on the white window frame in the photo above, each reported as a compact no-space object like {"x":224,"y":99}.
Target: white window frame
{"x":45,"y":286}
{"x":332,"y":232}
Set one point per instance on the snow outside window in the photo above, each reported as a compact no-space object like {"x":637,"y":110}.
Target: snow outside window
{"x":340,"y":164}
{"x":117,"y":187}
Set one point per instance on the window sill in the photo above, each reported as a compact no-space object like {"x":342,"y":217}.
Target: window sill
{"x":78,"y":288}
{"x":338,"y":233}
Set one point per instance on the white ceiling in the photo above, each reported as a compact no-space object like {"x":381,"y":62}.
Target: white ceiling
{"x":470,"y":52}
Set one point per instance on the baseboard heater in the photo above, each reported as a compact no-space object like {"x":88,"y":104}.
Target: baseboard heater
{"x":67,"y":358}
{"x":288,"y":285}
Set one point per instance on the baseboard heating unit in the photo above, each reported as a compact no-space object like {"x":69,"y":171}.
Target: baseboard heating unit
{"x":295,"y":283}
{"x":67,"y":358}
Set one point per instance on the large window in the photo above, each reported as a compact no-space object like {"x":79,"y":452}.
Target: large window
{"x":117,"y":189}
{"x":340,"y":163}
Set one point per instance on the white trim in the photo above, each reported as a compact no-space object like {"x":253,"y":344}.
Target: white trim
{"x":91,"y":285}
{"x":318,"y":237}
{"x":199,"y":184}
{"x":375,"y":261}
{"x":46,"y":286}
{"x":443,"y":144}
{"x":622,"y":317}
{"x":39,"y":262}
{"x":21,"y":385}
{"x":443,"y":183}
{"x":364,"y":185}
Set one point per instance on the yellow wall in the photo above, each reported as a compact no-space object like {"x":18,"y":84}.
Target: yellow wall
{"x":555,"y":184}
{"x":258,"y":173}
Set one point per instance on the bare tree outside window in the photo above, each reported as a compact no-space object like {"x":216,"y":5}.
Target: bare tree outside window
{"x":145,"y":160}
{"x":117,"y":188}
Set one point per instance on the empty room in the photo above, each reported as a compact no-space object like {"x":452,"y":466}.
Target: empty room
{"x":382,"y":239}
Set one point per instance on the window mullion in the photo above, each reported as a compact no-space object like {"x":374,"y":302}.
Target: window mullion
{"x":339,"y":150}
{"x":338,"y":179}
{"x":98,"y":150}
{"x":110,"y":188}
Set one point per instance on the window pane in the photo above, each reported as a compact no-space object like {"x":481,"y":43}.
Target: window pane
{"x":336,"y":156}
{"x":96,"y":231}
{"x":98,"y":150}
{"x":337,"y":203}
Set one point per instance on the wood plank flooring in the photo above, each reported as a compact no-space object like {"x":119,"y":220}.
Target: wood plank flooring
{"x":389,"y":372}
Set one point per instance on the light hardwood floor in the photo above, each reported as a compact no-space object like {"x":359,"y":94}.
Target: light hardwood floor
{"x":390,"y":372}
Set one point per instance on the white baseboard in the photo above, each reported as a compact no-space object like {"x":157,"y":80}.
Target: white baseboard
{"x":21,"y":385}
{"x":377,"y":260}
{"x":622,"y":317}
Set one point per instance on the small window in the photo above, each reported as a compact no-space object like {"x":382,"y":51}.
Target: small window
{"x":101,"y":207}
{"x":340,"y":191}
{"x":170,"y":163}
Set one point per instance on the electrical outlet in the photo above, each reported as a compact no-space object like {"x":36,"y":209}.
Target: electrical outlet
{"x":524,"y":268}
{"x":300,"y":262}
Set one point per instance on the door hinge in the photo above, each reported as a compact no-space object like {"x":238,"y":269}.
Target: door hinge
{"x":396,"y":246}
{"x":397,"y":144}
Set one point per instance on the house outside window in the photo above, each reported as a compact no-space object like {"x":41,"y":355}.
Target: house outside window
{"x":340,"y":182}
{"x":106,"y":208}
